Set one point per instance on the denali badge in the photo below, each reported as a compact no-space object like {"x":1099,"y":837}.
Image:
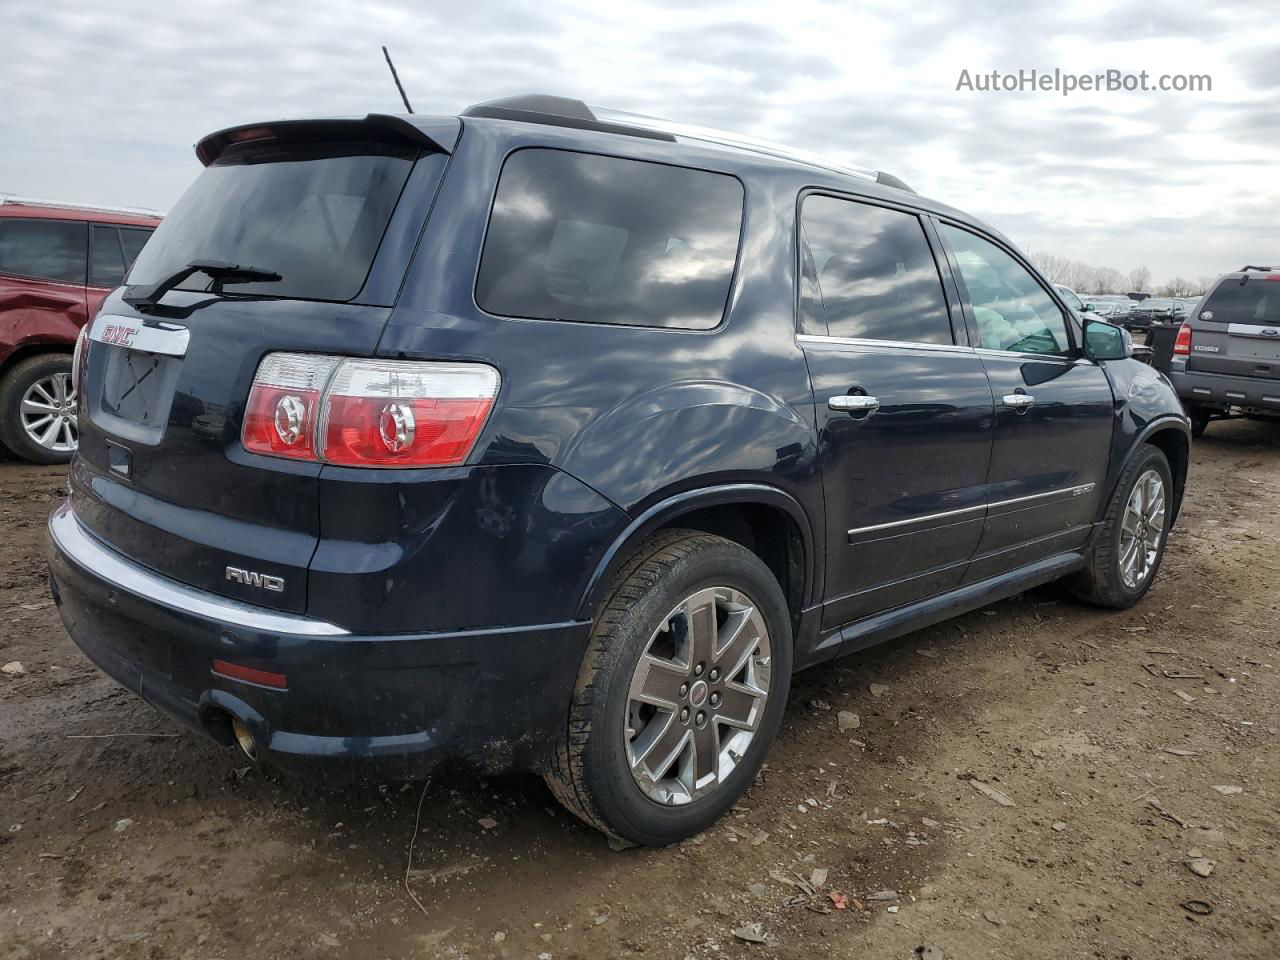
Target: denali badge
{"x":251,"y":578}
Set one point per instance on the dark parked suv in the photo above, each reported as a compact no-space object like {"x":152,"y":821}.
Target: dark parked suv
{"x":1155,"y":310}
{"x":1226,"y":358}
{"x":57,"y":262}
{"x":554,"y":439}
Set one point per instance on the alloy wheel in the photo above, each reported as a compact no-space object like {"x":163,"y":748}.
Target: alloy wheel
{"x":697,"y":696}
{"x":1142,"y":529}
{"x":48,"y":412}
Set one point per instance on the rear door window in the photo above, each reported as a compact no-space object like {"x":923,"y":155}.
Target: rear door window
{"x":313,"y":213}
{"x":106,"y":258}
{"x":1255,"y":302}
{"x":44,"y":249}
{"x":1011,"y":309}
{"x":577,"y":236}
{"x":876,"y":276}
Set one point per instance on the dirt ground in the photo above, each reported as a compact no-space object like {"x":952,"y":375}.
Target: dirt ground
{"x":160,"y":844}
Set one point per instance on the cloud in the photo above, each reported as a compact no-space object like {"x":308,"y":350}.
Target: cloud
{"x":102,"y":103}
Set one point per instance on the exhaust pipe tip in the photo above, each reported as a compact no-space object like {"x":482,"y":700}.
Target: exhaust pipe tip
{"x":244,"y":737}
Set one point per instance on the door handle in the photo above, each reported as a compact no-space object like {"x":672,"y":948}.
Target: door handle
{"x":853,"y":403}
{"x":1018,"y":401}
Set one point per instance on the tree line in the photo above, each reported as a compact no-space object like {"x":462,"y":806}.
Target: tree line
{"x":1088,"y":280}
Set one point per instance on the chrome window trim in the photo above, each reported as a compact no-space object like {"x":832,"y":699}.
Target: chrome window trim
{"x":1021,"y":355}
{"x":887,"y":344}
{"x":1000,"y":505}
{"x":81,"y":548}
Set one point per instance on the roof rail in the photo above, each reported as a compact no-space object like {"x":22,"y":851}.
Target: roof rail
{"x":556,"y":112}
{"x":9,"y":198}
{"x":689,"y":131}
{"x":568,"y":112}
{"x":1248,"y":267}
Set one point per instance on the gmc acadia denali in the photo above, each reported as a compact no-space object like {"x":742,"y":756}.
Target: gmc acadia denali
{"x":550,"y":438}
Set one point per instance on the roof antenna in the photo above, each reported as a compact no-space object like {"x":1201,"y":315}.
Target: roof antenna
{"x":396,"y":77}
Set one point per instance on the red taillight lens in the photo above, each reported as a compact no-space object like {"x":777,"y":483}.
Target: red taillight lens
{"x":77,"y":357}
{"x":368,"y":413}
{"x":284,"y":405}
{"x":390,"y":413}
{"x":1182,"y":345}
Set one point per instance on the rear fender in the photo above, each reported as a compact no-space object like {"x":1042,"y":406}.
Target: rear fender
{"x":671,"y":508}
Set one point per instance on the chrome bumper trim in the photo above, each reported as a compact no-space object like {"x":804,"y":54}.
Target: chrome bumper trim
{"x":81,"y":548}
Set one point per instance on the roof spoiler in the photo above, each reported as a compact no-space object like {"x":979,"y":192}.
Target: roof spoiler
{"x":435,"y":134}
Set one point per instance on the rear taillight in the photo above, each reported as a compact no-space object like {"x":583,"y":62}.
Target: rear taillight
{"x":1182,"y":345}
{"x":77,"y":357}
{"x":368,"y":413}
{"x":284,"y":405}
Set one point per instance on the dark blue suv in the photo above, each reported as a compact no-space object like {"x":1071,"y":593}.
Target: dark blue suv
{"x":554,"y":439}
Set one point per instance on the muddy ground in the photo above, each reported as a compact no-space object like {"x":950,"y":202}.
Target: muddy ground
{"x":168,"y":846}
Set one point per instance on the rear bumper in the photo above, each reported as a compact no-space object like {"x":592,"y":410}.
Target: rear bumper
{"x":494,"y":698}
{"x":1221,"y":391}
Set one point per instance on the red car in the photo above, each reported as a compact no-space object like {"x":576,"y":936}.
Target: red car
{"x":57,"y":262}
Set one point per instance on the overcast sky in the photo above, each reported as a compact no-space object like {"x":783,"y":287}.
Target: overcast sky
{"x":102,"y":102}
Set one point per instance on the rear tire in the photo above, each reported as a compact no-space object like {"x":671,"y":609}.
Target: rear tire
{"x":1125,"y":557}
{"x":649,"y":765}
{"x":37,"y":409}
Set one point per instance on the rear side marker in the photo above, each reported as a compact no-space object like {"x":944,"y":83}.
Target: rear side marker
{"x":259,"y":678}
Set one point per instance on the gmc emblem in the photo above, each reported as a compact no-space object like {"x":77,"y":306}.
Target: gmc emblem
{"x":251,"y":578}
{"x":118,"y":334}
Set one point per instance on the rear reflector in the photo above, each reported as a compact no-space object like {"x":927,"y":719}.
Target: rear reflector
{"x":368,"y":413}
{"x":1182,"y":345}
{"x":261,"y":678}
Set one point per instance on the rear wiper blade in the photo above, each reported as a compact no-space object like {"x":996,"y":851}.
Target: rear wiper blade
{"x":149,"y":294}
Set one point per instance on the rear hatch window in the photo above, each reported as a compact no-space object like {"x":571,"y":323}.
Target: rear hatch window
{"x":314,"y":213}
{"x":1254,"y":302}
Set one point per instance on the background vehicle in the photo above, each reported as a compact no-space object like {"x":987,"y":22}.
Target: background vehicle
{"x":57,"y":262}
{"x":1078,"y":306}
{"x":1226,"y":359}
{"x":555,"y":439}
{"x":1155,"y":310}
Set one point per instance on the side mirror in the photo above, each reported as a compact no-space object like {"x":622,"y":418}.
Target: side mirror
{"x":1105,"y":341}
{"x":1086,"y":308}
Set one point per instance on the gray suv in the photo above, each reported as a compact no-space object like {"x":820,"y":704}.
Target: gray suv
{"x":1226,"y":359}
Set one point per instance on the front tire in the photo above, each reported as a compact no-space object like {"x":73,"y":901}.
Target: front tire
{"x":38,"y":409}
{"x":680,"y":694}
{"x":1125,"y":558}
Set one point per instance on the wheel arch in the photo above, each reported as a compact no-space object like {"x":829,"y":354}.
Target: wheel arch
{"x":764,"y":519}
{"x":34,"y":348}
{"x":1172,"y":436}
